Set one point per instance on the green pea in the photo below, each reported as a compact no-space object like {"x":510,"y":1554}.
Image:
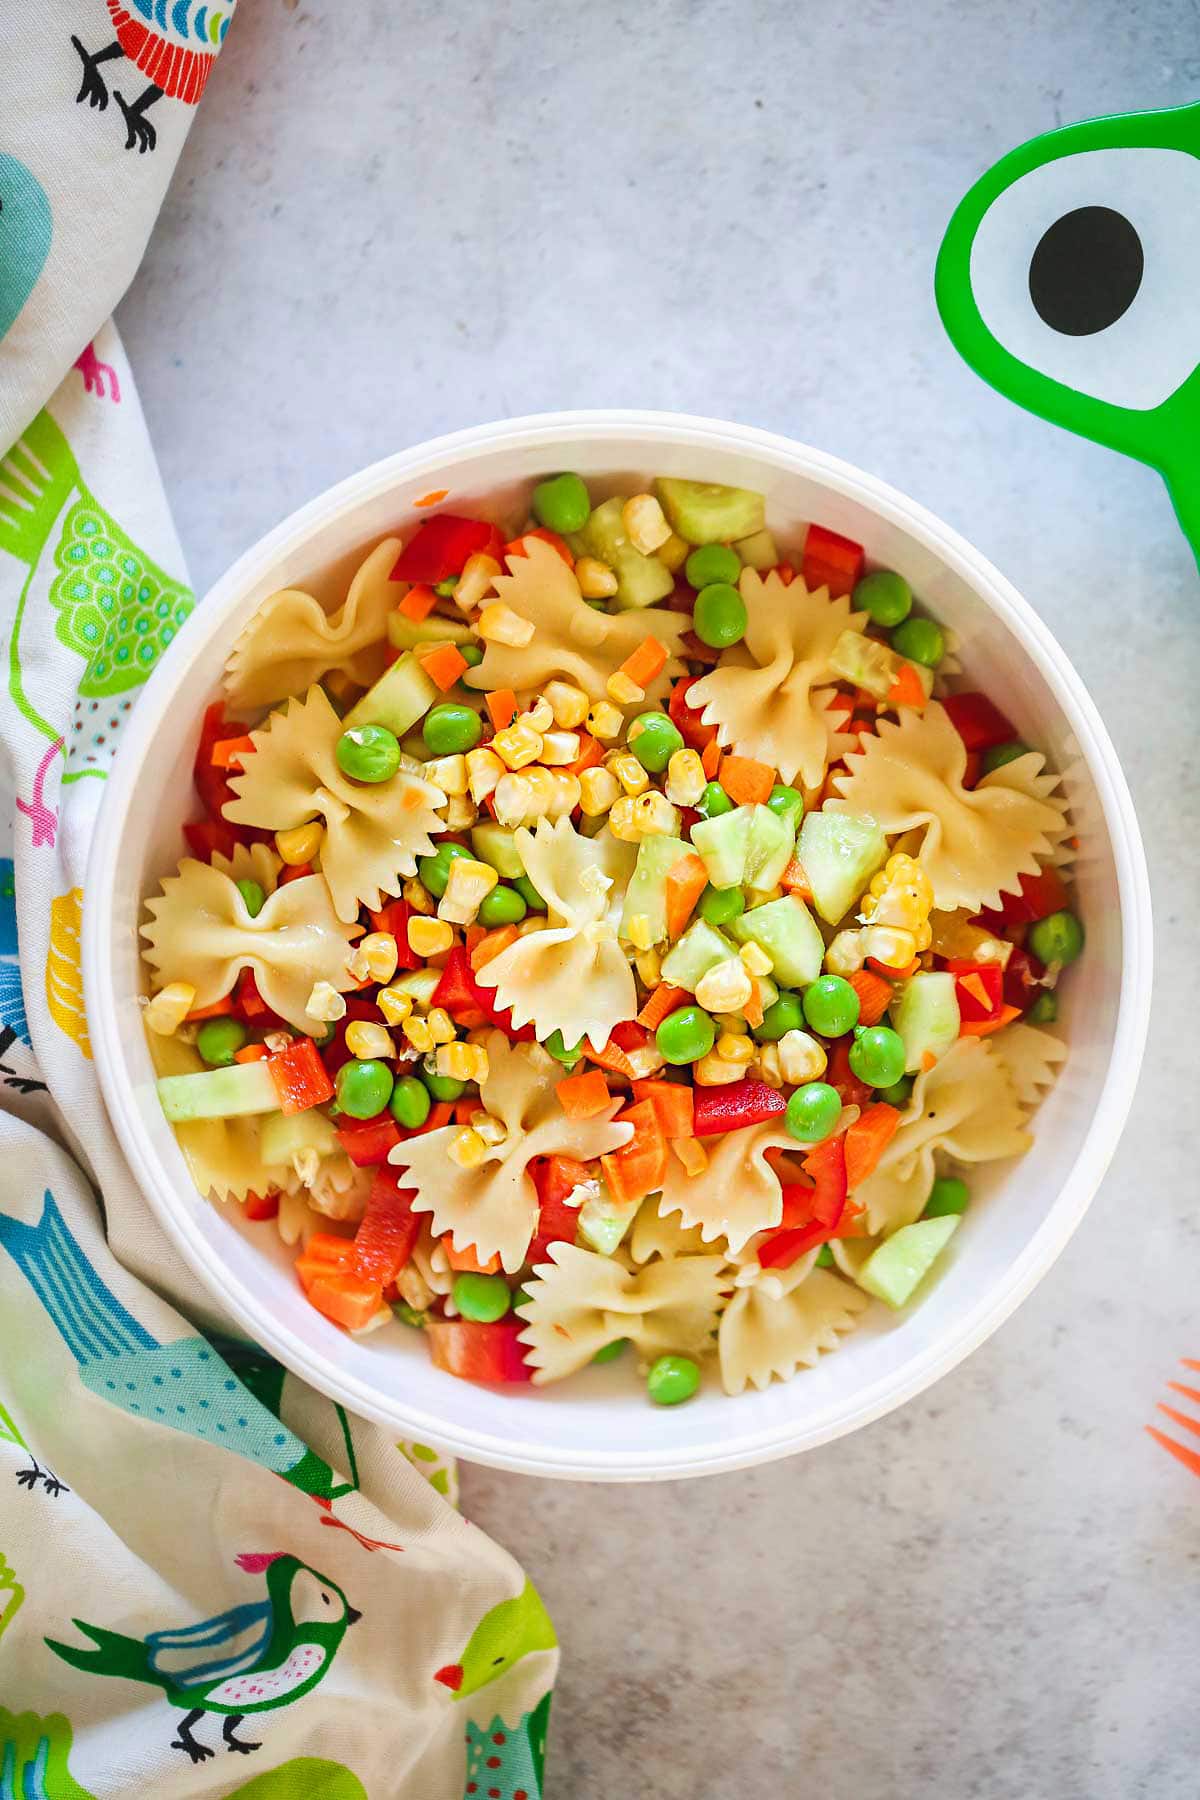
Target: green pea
{"x":449,"y":728}
{"x":1044,"y":1010}
{"x":654,"y":740}
{"x":521,"y":1297}
{"x":719,"y":618}
{"x":609,"y":1352}
{"x":783,"y":1015}
{"x":363,"y":1088}
{"x":561,"y":503}
{"x":445,"y":589}
{"x":443,"y":1087}
{"x":471,"y":654}
{"x":484,"y":1298}
{"x":1001,"y":754}
{"x":685,"y":1035}
{"x":503,"y":906}
{"x":368,"y":753}
{"x":921,"y":641}
{"x":321,"y":1038}
{"x":947,"y":1195}
{"x":813,"y":1111}
{"x":435,"y":870}
{"x":719,"y":905}
{"x":712,"y":563}
{"x":886,"y":596}
{"x":559,"y":1051}
{"x":831,"y":1006}
{"x":825,"y":1257}
{"x":899,"y":1094}
{"x":672,"y":1379}
{"x":713,"y":801}
{"x":1057,"y":939}
{"x":218,"y":1039}
{"x":253,"y":896}
{"x":529,"y":893}
{"x":410,"y":1103}
{"x":408,"y":1315}
{"x":877,"y":1056}
{"x":787,"y":803}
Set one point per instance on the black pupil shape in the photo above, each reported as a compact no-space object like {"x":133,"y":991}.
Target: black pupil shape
{"x":1086,"y":271}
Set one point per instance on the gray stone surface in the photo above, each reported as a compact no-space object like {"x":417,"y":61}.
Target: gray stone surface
{"x":391,"y":221}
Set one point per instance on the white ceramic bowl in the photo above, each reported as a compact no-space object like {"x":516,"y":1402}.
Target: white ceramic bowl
{"x":600,"y":1426}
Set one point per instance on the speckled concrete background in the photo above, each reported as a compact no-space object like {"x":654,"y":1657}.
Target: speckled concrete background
{"x":394,"y":220}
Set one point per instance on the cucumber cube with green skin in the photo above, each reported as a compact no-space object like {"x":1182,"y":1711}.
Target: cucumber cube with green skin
{"x":788,"y":933}
{"x":647,"y":891}
{"x":402,"y":695}
{"x":281,"y":1135}
{"x":700,"y":949}
{"x":604,"y":1221}
{"x":769,"y":849}
{"x":230,"y":1093}
{"x":927,"y":1017}
{"x":758,"y":551}
{"x":641,"y":580}
{"x":705,"y":512}
{"x":407,"y":634}
{"x":839,"y":851}
{"x":722,"y":844}
{"x":418,"y":984}
{"x":895,"y":1271}
{"x":497,"y":846}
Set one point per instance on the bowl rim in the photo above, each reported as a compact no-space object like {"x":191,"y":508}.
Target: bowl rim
{"x":559,"y":429}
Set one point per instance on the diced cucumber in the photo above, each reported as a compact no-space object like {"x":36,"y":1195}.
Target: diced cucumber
{"x":788,"y":933}
{"x":769,"y":849}
{"x":281,"y":1135}
{"x":705,"y":512}
{"x":758,"y":551}
{"x":402,"y":695}
{"x":497,"y":846}
{"x":406,"y":634}
{"x":722,"y":843}
{"x":604,"y":1221}
{"x":647,"y":891}
{"x":418,"y":984}
{"x":641,"y":580}
{"x":895,"y":1271}
{"x":839,"y":852}
{"x":700,"y":949}
{"x":926,"y":1016}
{"x":865,"y":662}
{"x":218,"y":1093}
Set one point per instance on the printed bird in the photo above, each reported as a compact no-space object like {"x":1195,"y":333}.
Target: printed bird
{"x":175,"y":49}
{"x":502,"y":1637}
{"x":504,"y":1758}
{"x":252,"y":1659}
{"x":25,"y":232}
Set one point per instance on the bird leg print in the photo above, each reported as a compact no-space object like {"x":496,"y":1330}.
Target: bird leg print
{"x":174,"y":51}
{"x":95,"y":373}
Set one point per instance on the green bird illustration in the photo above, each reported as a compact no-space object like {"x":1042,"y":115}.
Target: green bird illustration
{"x":251,"y":1659}
{"x":503,"y":1759}
{"x":1067,"y":279}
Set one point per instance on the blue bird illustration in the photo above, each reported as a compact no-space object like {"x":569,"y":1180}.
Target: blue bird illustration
{"x":252,"y":1659}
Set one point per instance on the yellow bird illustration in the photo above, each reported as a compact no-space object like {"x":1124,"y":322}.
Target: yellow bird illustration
{"x":64,"y":980}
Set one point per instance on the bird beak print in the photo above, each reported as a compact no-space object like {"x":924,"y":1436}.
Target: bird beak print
{"x":451,"y":1676}
{"x":352,"y":1615}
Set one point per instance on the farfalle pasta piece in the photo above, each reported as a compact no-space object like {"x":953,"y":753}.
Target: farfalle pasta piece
{"x":251,"y":862}
{"x":965,"y":1106}
{"x":580,"y":1301}
{"x":572,"y":977}
{"x":200,"y":932}
{"x":783,"y":1322}
{"x":654,"y":1233}
{"x":738,"y":1194}
{"x":374,"y":832}
{"x":570,"y":639}
{"x":224,"y":1156}
{"x":1033,"y":1059}
{"x":976,"y":843}
{"x":1029,"y":775}
{"x":493,"y":1207}
{"x":292,"y":641}
{"x":769,"y":697}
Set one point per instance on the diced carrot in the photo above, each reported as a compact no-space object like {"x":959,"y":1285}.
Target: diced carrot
{"x":639,"y":1166}
{"x":465,"y":1110}
{"x":473,"y":936}
{"x":889,"y":974}
{"x":440,"y":1113}
{"x":686,"y":881}
{"x":928,"y":1061}
{"x":219,"y":1009}
{"x":444,"y":665}
{"x":874,"y":995}
{"x":611,"y":1057}
{"x":258,"y":1207}
{"x":502,"y":707}
{"x":324,"y":1254}
{"x":432,"y":498}
{"x":710,"y":758}
{"x":419,"y":601}
{"x":230,"y":752}
{"x":662,"y":1001}
{"x":795,"y":881}
{"x":906,"y":690}
{"x":250,"y":1053}
{"x":867,"y":1139}
{"x":672,"y":1102}
{"x":747,"y":782}
{"x":349,"y":1300}
{"x":984,"y":1027}
{"x":645,"y":663}
{"x":517,"y":547}
{"x":491,"y":944}
{"x":753,"y":1008}
{"x":591,"y":752}
{"x":466,"y":1262}
{"x":583,"y":1096}
{"x":786,"y":573}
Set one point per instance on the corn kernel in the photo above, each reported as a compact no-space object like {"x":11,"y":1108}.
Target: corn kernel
{"x":624,"y":689}
{"x":307,"y":1164}
{"x":276,"y":1041}
{"x":732,"y":1022}
{"x":889,"y":945}
{"x":417,"y":896}
{"x":543,"y":790}
{"x":559,"y":747}
{"x":648,"y":964}
{"x":801,"y":1058}
{"x":655,"y":815}
{"x":568,"y":703}
{"x":535,"y":922}
{"x":499,"y":624}
{"x":755,"y":960}
{"x":645,"y":522}
{"x":466,"y":1148}
{"x":517,"y":746}
{"x":325,"y":1004}
{"x":461,"y":811}
{"x":628,"y":771}
{"x":418,"y":1034}
{"x":732,"y":1048}
{"x":367,"y":1041}
{"x":468,"y":885}
{"x":539,"y":717}
{"x":441,"y":1026}
{"x":492,"y":1131}
{"x":691,"y":1154}
{"x":604,"y":721}
{"x":847,"y":953}
{"x":448,"y":773}
{"x":762,"y":896}
{"x":394,"y":1005}
{"x":713,"y":1071}
{"x":638,"y":931}
{"x":484,"y":770}
{"x":479,"y":572}
{"x":429,"y":937}
{"x":725,"y":987}
{"x":513,"y":799}
{"x":598,"y":788}
{"x":596,"y":580}
{"x":769,"y":1067}
{"x":622,"y":823}
{"x":686,"y":779}
{"x":413,"y":1288}
{"x":357,"y":966}
{"x":672,"y":553}
{"x":646,"y":1060}
{"x":170,"y":1007}
{"x":300,"y":844}
{"x":464,"y":1062}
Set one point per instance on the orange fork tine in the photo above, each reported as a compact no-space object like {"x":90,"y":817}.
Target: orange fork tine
{"x":1188,"y":1393}
{"x":1189,"y":1363}
{"x":1173,"y":1412}
{"x":1188,"y":1457}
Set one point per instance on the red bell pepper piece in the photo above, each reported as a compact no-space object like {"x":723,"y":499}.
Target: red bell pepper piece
{"x":477,"y":1352}
{"x":212,"y":783}
{"x":387,"y":1230}
{"x":826,"y":1164}
{"x":628,"y":1035}
{"x":368,"y":1141}
{"x":979,"y":989}
{"x":687,"y":719}
{"x":841,"y":1076}
{"x":831,"y":560}
{"x":555,"y":1179}
{"x":979,"y":723}
{"x":394,"y":919}
{"x":1040,"y":895}
{"x":249,"y":1005}
{"x":207,"y":838}
{"x":465,"y":1000}
{"x":730,"y":1108}
{"x":1022,"y":979}
{"x":783,"y":1248}
{"x":261,"y":1206}
{"x":798,"y":1199}
{"x":301,"y":1078}
{"x":440,"y":546}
